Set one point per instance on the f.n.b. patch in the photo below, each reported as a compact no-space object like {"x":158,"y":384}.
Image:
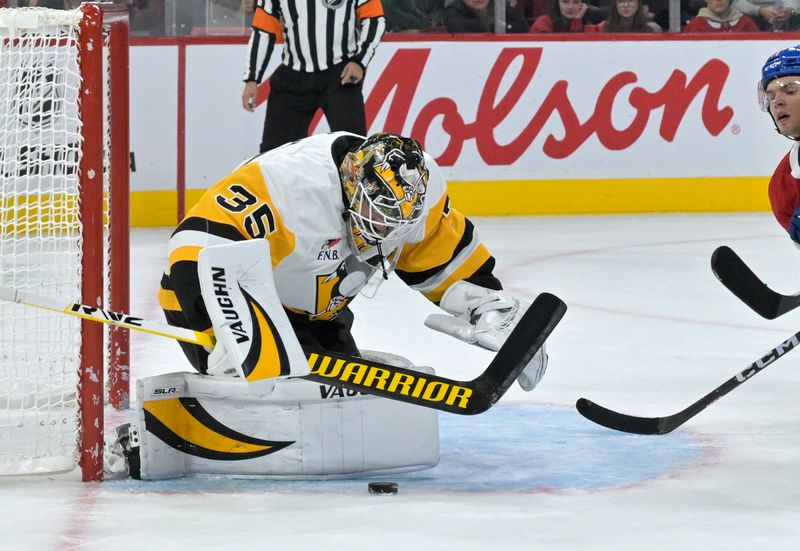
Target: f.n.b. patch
{"x":328,"y":250}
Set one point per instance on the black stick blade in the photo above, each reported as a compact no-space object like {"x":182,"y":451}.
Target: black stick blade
{"x":437,"y":392}
{"x":740,"y":280}
{"x":622,"y":422}
{"x":522,"y":344}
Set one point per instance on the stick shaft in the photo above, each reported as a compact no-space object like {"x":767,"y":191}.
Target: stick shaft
{"x":662,"y":425}
{"x":106,"y":316}
{"x":355,"y":373}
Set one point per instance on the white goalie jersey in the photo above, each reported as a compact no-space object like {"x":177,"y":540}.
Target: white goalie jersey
{"x":292,"y":196}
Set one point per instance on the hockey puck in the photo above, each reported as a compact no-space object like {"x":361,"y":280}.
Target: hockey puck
{"x":383,"y":487}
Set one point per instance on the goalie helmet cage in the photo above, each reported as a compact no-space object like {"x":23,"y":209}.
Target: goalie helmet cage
{"x":64,"y":225}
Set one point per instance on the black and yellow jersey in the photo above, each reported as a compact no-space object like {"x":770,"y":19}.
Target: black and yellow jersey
{"x":292,"y":196}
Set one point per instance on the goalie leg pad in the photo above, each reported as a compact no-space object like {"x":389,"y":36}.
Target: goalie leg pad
{"x":254,"y":336}
{"x":195,"y":424}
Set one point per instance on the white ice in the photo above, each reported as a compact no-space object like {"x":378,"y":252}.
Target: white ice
{"x":648,"y":331}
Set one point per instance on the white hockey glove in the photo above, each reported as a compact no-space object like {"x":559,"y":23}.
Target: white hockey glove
{"x":485,"y":317}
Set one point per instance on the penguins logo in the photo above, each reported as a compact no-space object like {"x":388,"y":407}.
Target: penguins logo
{"x":336,"y":289}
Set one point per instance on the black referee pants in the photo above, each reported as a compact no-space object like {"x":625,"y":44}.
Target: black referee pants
{"x":295,"y":96}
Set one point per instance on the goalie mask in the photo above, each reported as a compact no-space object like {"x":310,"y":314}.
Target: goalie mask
{"x":384,"y":183}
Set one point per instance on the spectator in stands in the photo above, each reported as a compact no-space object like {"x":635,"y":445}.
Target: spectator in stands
{"x":596,"y":10}
{"x":477,"y":16}
{"x":433,"y":10}
{"x":404,"y":16}
{"x":563,"y":16}
{"x":720,"y":16}
{"x":628,"y":16}
{"x":146,"y":17}
{"x":771,"y":15}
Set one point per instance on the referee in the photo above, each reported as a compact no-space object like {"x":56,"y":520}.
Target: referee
{"x":327,"y":46}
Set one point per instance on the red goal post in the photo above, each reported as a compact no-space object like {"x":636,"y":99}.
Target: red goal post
{"x":64,"y":231}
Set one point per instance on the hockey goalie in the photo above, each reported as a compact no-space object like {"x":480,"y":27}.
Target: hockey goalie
{"x":268,"y":262}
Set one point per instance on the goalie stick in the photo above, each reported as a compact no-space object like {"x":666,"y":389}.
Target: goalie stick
{"x":734,"y":274}
{"x":362,"y":375}
{"x":662,"y":425}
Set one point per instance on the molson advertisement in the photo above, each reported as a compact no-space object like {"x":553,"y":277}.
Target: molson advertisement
{"x":519,"y":125}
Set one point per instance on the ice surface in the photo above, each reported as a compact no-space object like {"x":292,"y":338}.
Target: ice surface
{"x":649,"y":330}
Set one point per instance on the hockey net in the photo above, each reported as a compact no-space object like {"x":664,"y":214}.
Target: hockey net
{"x":63,"y":231}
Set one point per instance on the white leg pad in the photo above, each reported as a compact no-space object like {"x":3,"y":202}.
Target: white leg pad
{"x":191,"y":424}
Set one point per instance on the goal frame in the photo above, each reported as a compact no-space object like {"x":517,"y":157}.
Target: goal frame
{"x":96,"y":203}
{"x":91,"y":392}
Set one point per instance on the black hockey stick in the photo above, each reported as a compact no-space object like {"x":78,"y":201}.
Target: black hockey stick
{"x":462,"y":397}
{"x":742,"y":282}
{"x":663,"y":425}
{"x":362,"y":375}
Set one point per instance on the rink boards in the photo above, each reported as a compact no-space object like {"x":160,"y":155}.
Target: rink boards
{"x":520,"y":126}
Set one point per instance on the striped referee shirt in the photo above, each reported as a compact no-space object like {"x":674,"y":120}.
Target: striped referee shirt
{"x":317,"y":34}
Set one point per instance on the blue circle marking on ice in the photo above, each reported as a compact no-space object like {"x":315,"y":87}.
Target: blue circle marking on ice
{"x":529,"y":448}
{"x":514,"y":448}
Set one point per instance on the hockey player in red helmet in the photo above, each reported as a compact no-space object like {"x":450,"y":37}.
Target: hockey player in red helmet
{"x":779,"y":95}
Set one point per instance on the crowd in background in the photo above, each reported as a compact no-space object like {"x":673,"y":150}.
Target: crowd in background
{"x":225,"y":17}
{"x":637,"y":16}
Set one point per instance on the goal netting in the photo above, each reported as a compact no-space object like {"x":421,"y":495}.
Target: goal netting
{"x":63,"y":231}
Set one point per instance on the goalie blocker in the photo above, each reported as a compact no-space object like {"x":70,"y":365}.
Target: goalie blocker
{"x":255,"y":340}
{"x":194,"y":424}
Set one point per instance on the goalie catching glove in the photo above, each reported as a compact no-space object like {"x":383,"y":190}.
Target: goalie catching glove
{"x":486,"y":317}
